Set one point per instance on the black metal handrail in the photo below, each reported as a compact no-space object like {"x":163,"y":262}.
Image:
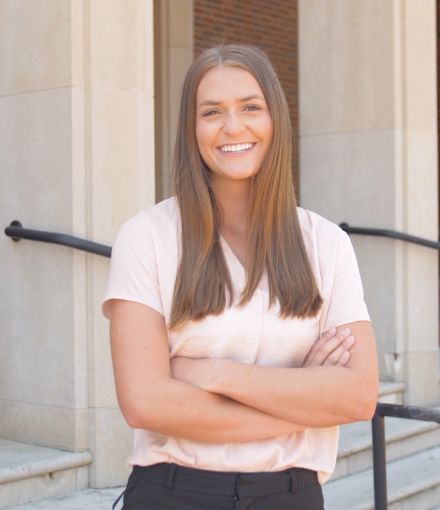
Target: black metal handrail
{"x":391,"y":410}
{"x":17,"y":232}
{"x":380,"y":232}
{"x":379,"y":442}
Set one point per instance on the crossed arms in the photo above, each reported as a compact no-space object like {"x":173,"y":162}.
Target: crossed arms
{"x":219,"y":401}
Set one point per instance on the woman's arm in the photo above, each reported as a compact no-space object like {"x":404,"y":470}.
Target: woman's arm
{"x":151,"y":399}
{"x":313,"y":396}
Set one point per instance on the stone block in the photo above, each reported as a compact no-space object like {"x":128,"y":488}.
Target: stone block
{"x":346,"y":72}
{"x":419,"y":30}
{"x":347,"y":177}
{"x":121,"y":44}
{"x":111,"y":444}
{"x":122,"y":158}
{"x":34,"y":45}
{"x":44,"y":425}
{"x":37,"y":487}
{"x":421,"y":377}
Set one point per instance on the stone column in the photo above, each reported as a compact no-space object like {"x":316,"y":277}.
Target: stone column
{"x":368,"y":156}
{"x":173,"y":53}
{"x":77,"y":156}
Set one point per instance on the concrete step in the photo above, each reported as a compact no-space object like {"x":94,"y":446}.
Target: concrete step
{"x":404,"y":437}
{"x":391,"y":392}
{"x":90,"y":499}
{"x":413,"y":483}
{"x":31,"y":473}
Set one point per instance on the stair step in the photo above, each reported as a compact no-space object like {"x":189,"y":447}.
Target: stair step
{"x":413,"y":482}
{"x":391,"y":392}
{"x":404,"y":437}
{"x":90,"y":499}
{"x":30,"y":473}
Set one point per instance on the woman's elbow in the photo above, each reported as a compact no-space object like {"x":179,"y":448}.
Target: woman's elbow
{"x":366,"y":405}
{"x":140,"y":417}
{"x":366,"y":412}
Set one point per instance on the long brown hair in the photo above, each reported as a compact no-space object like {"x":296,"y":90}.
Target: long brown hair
{"x":274,"y":238}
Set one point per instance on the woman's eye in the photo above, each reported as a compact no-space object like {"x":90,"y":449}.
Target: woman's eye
{"x":209,"y":113}
{"x":252,"y":107}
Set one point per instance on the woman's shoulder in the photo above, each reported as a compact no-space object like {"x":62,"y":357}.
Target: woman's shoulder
{"x":311,"y":220}
{"x":318,"y":229}
{"x":159,"y":217}
{"x":162,"y":212}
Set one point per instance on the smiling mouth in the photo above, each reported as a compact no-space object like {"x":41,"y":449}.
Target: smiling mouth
{"x":239,"y":148}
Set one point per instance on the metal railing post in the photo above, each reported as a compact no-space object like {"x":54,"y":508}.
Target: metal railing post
{"x":379,"y":463}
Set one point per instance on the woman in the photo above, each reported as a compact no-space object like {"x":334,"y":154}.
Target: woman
{"x":218,"y":300}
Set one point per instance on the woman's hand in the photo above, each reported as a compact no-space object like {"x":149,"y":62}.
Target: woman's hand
{"x":331,"y":349}
{"x":322,"y":393}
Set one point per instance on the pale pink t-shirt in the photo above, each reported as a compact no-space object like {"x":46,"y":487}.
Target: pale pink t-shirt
{"x":143,"y":269}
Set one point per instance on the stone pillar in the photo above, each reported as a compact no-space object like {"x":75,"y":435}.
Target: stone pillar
{"x":173,"y":53}
{"x":77,"y":156}
{"x":368,"y":156}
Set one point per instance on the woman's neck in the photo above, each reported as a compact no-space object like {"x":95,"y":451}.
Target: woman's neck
{"x":233,"y":198}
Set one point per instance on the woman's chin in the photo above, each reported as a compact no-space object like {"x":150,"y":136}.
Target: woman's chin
{"x":236,"y":175}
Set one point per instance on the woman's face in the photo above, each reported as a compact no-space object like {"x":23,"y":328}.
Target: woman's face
{"x":233,"y":123}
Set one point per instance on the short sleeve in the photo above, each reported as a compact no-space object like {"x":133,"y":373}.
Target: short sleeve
{"x":346,"y":300}
{"x":133,"y":267}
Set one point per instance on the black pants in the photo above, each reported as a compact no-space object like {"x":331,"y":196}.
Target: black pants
{"x":171,"y":487}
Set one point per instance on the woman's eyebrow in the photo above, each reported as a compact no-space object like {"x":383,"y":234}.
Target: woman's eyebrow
{"x":252,"y":96}
{"x":211,"y":102}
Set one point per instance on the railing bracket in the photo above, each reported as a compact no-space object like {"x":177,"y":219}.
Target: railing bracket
{"x":17,"y":224}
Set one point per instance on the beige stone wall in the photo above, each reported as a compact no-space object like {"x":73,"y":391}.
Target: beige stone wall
{"x":77,"y":156}
{"x":368,"y":156}
{"x":43,"y":386}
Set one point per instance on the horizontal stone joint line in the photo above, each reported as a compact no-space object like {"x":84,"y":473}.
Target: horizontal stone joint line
{"x":82,"y":409}
{"x":77,"y":87}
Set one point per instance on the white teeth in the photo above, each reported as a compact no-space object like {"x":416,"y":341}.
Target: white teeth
{"x":237,"y":148}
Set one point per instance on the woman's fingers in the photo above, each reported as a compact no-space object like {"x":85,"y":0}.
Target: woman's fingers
{"x":344,"y":359}
{"x":339,"y":352}
{"x":328,"y":347}
{"x":318,"y":345}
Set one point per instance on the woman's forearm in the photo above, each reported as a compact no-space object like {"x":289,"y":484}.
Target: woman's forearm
{"x":180,"y":409}
{"x":313,"y":396}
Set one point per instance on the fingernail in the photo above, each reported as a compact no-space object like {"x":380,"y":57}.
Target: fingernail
{"x":350,"y":340}
{"x":345,"y":331}
{"x":332,"y":331}
{"x":345,"y":354}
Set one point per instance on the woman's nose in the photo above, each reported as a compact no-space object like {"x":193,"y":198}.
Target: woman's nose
{"x":233,"y":125}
